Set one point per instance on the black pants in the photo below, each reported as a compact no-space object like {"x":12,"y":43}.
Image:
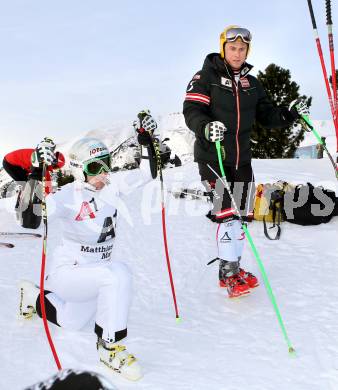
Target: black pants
{"x":241,"y":182}
{"x":15,"y":172}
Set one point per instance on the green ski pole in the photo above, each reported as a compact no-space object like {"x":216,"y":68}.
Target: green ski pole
{"x":309,"y":124}
{"x":254,"y":250}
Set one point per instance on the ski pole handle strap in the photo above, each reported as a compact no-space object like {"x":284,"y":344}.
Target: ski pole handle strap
{"x":277,"y":237}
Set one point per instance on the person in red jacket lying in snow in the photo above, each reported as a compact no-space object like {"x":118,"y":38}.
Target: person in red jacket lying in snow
{"x":25,"y":167}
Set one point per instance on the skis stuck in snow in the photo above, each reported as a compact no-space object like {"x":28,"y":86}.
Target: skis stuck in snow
{"x":20,"y":234}
{"x":6,"y":245}
{"x":190,"y":193}
{"x":16,"y":235}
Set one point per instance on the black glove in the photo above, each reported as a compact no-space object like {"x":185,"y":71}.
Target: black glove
{"x":144,"y":139}
{"x":299,"y":107}
{"x":296,"y":109}
{"x":144,"y":125}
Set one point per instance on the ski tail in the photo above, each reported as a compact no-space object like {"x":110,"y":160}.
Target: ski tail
{"x":6,"y":245}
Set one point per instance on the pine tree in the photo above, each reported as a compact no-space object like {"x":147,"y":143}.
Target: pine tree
{"x":278,"y":143}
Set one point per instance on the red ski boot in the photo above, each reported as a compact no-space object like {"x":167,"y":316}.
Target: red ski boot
{"x":251,"y":279}
{"x":235,"y":285}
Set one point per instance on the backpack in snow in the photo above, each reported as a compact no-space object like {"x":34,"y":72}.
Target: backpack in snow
{"x":301,"y":204}
{"x":316,"y":205}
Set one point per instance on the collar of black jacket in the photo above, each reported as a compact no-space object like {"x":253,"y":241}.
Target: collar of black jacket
{"x":214,"y":61}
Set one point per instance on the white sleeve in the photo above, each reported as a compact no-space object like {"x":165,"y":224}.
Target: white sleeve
{"x":55,"y":205}
{"x":128,"y":181}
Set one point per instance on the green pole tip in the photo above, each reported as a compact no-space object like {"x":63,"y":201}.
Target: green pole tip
{"x":292,"y":352}
{"x":178,"y":320}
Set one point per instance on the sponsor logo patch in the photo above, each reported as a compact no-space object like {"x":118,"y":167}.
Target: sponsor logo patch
{"x":245,"y":70}
{"x":225,"y":238}
{"x":244,"y":82}
{"x":96,"y":150}
{"x":226,"y":82}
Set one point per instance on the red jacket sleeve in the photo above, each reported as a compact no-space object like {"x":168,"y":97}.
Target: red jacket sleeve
{"x":20,"y":158}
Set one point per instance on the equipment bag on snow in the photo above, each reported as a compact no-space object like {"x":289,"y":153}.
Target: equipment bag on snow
{"x":309,"y":205}
{"x":269,"y":206}
{"x":301,"y":204}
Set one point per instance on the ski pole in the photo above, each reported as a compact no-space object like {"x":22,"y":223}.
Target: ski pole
{"x":164,"y":230}
{"x":309,"y":124}
{"x":253,"y":248}
{"x":333,"y":70}
{"x":320,"y":53}
{"x":43,"y":266}
{"x":154,"y":155}
{"x":331,"y":46}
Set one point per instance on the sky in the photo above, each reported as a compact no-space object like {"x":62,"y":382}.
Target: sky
{"x":68,"y":67}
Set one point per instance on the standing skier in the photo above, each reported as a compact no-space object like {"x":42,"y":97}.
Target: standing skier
{"x":221,"y":104}
{"x":25,"y":168}
{"x":83,"y":282}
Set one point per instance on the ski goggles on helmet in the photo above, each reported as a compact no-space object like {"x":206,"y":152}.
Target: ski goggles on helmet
{"x":238,"y":32}
{"x":97,"y":165}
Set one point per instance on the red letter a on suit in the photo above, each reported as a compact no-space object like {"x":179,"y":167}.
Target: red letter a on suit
{"x":85,"y":212}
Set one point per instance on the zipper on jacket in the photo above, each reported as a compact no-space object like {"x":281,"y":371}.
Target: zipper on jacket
{"x":238,"y":124}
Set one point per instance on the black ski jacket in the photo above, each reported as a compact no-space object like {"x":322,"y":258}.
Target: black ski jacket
{"x":214,"y":95}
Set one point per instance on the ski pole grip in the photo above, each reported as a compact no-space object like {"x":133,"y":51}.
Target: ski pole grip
{"x":312,"y":14}
{"x":328,"y":12}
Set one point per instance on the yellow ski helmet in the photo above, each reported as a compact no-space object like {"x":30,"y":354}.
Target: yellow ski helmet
{"x":231,"y":34}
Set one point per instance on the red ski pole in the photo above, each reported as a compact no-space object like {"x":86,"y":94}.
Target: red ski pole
{"x":159,"y":167}
{"x":156,"y":167}
{"x":320,"y":52}
{"x":43,"y":266}
{"x":333,"y":67}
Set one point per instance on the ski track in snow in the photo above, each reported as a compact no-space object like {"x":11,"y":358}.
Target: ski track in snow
{"x":219,"y":344}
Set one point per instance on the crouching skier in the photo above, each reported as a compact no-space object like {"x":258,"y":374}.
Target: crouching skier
{"x":83,"y":282}
{"x":25,"y":168}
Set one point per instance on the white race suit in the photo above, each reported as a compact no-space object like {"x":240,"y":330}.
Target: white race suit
{"x":83,"y":281}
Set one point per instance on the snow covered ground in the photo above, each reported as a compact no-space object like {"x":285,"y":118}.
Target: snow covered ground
{"x":219,"y":344}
